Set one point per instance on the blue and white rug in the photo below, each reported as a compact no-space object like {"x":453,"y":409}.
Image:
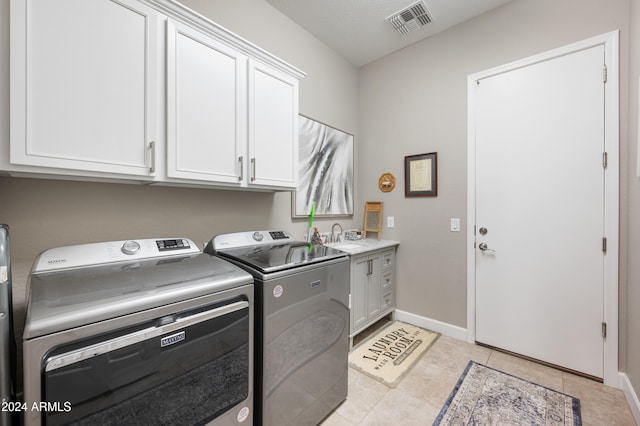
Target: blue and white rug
{"x":484,"y":396}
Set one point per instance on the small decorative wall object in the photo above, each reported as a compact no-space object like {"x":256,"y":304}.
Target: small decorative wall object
{"x":325,"y":171}
{"x":386,"y":182}
{"x":421,"y":175}
{"x":372,"y":217}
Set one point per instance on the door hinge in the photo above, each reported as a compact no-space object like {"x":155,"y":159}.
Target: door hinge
{"x":604,"y":160}
{"x":604,"y":244}
{"x":604,"y":73}
{"x":604,"y":330}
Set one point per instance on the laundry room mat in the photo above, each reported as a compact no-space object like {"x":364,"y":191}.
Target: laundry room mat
{"x":487,"y":396}
{"x":390,"y":353}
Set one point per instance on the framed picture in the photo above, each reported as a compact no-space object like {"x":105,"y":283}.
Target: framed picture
{"x":421,"y":175}
{"x":325,"y":171}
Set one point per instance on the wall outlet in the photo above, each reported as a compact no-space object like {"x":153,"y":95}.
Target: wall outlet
{"x":391,"y":222}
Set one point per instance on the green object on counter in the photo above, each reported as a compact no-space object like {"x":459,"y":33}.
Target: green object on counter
{"x":313,"y":212}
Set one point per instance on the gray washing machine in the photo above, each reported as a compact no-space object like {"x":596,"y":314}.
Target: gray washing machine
{"x":302,"y":324}
{"x":138,"y":332}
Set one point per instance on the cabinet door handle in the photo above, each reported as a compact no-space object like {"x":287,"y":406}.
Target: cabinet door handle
{"x":241,"y":161}
{"x":152,"y":149}
{"x":253,"y":169}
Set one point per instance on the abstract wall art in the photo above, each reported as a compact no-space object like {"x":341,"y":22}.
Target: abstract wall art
{"x":325,"y":171}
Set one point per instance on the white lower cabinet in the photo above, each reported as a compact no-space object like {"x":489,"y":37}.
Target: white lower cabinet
{"x":372,"y":288}
{"x":91,"y":82}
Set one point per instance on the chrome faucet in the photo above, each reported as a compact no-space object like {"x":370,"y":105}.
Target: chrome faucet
{"x":336,"y":238}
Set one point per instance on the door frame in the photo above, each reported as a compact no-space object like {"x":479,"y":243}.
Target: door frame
{"x":610,"y":41}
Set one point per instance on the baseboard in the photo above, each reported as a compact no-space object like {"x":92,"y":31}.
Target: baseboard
{"x":431,"y":324}
{"x":632,"y":396}
{"x":461,"y":334}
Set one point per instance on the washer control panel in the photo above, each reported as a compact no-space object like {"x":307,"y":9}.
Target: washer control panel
{"x":278,"y":235}
{"x":172,"y":245}
{"x":130,"y":247}
{"x":250,"y":238}
{"x":111,"y":251}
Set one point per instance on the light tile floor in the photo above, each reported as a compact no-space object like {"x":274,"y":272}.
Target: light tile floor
{"x":418,"y":398}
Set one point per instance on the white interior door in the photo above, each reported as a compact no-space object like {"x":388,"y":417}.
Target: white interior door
{"x":540,"y":186}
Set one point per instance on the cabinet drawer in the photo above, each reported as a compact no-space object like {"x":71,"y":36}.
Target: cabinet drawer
{"x":387,"y":281}
{"x":388,"y":259}
{"x":387,"y":301}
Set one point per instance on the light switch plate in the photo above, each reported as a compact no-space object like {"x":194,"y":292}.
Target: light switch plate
{"x":455,"y":224}
{"x":391,"y":222}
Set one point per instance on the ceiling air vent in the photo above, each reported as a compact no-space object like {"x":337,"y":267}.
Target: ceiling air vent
{"x":410,"y":18}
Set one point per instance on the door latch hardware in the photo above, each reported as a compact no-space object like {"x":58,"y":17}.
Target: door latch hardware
{"x":485,"y":247}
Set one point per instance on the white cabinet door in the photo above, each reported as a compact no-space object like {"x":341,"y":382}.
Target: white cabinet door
{"x":359,"y":291}
{"x":366,"y":298}
{"x":374,"y":298}
{"x":273,"y":127}
{"x":83,"y":85}
{"x":206,"y":111}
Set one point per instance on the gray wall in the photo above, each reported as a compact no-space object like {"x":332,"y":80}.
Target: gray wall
{"x":631,"y":301}
{"x":415,"y":101}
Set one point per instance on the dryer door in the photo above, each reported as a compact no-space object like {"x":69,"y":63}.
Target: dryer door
{"x":186,"y":368}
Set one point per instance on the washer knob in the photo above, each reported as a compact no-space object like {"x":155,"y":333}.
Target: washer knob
{"x":130,"y":247}
{"x":258,"y":236}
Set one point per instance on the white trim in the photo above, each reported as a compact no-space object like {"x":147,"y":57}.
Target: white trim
{"x":471,"y":210}
{"x":431,"y":324}
{"x":631,"y":395}
{"x":610,"y":42}
{"x":179,"y":12}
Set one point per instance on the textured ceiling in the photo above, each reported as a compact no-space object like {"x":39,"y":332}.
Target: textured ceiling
{"x":357,"y":28}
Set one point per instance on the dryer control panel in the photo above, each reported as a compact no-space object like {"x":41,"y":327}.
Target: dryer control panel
{"x":111,"y":251}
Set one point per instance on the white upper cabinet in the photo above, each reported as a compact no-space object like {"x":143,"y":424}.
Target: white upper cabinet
{"x":146,"y":90}
{"x":83,"y":85}
{"x":273,"y":127}
{"x":206,"y":107}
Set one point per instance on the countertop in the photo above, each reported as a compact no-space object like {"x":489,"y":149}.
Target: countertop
{"x":363,"y":246}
